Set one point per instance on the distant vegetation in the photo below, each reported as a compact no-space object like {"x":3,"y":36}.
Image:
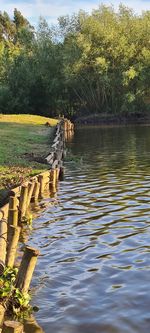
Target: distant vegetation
{"x":88,"y":63}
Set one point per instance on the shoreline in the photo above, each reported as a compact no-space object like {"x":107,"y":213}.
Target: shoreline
{"x":16,"y":213}
{"x":109,"y":119}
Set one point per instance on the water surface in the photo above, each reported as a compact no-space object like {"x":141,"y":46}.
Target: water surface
{"x":94,"y":271}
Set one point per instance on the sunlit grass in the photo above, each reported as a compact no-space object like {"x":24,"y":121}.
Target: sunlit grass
{"x":24,"y":142}
{"x":27,"y":119}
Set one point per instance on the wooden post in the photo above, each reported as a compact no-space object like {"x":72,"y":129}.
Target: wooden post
{"x":57,"y":173}
{"x":12,"y":327}
{"x":65,"y":126}
{"x":4,"y":212}
{"x":50,"y":158}
{"x":26,"y":269}
{"x":68,"y":125}
{"x":36,"y":191}
{"x":58,"y":153}
{"x":13,"y":211}
{"x":61,"y":172}
{"x":13,"y":238}
{"x":3,"y":244}
{"x":2,"y":312}
{"x":23,"y":200}
{"x":30,"y":192}
{"x":66,"y":135}
{"x":41,"y":181}
{"x":53,"y":177}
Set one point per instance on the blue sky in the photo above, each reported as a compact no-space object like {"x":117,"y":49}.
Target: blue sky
{"x":51,"y":9}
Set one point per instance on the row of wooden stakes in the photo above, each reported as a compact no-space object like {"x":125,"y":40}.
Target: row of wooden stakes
{"x":16,"y":211}
{"x":64,"y":131}
{"x":13,"y":214}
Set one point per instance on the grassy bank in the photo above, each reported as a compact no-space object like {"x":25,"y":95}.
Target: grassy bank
{"x":25,"y":141}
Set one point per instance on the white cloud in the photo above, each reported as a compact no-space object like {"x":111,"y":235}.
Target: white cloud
{"x":52,"y":10}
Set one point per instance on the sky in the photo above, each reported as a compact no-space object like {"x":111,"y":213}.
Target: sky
{"x":51,"y":9}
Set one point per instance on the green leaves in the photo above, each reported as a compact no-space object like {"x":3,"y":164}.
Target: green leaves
{"x":18,"y":301}
{"x":21,"y":299}
{"x":91,"y":62}
{"x":129,"y":75}
{"x":7,"y":282}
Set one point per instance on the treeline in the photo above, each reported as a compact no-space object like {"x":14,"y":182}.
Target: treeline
{"x":87,"y":63}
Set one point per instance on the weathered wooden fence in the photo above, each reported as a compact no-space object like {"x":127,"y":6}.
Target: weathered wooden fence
{"x":15,"y":212}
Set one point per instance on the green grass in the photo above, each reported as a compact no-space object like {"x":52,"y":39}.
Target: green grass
{"x":24,"y":142}
{"x":26,"y":119}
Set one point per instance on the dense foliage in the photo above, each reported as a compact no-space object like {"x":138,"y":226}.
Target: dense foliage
{"x":88,"y":63}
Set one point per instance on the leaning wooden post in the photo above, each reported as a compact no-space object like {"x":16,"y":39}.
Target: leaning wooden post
{"x":30,"y":193}
{"x":13,"y":211}
{"x":12,"y":327}
{"x":26,"y":269}
{"x":13,"y":238}
{"x":3,"y":244}
{"x":23,"y":200}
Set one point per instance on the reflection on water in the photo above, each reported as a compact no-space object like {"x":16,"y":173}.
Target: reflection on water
{"x":94,"y":271}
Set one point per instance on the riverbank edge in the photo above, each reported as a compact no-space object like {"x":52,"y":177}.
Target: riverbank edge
{"x":8,"y":216}
{"x":4,"y":205}
{"x":51,"y":161}
{"x":30,"y":160}
{"x":114,"y":119}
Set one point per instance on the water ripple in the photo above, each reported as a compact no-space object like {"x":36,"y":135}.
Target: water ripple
{"x":94,"y":267}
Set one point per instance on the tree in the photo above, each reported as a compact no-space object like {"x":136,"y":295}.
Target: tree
{"x":98,"y":62}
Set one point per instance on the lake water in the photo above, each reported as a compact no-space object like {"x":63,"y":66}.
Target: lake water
{"x":93,"y":275}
